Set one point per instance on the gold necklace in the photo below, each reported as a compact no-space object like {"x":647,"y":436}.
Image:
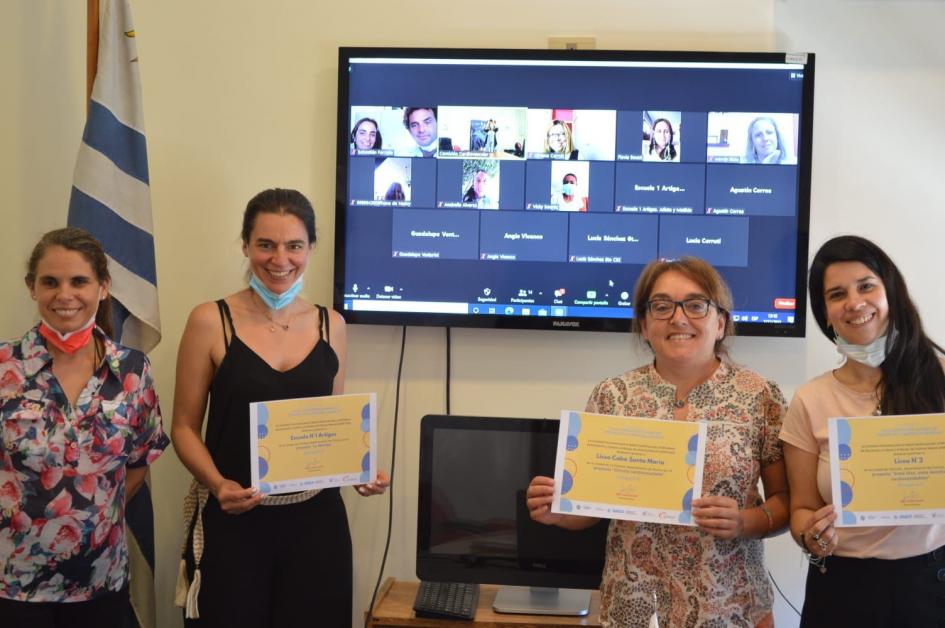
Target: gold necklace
{"x":265,"y":312}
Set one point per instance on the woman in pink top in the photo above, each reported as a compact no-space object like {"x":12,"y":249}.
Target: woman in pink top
{"x":863,"y":576}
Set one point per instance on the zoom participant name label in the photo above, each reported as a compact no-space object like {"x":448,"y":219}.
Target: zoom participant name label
{"x":612,"y":238}
{"x":435,"y":234}
{"x":647,"y":188}
{"x":745,"y":190}
{"x":519,"y":236}
{"x":721,"y":241}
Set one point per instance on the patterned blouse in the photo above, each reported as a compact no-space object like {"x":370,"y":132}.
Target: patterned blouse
{"x":62,"y":470}
{"x":697,"y":579}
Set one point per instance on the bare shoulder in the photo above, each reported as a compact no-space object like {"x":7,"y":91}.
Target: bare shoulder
{"x":336,"y":320}
{"x":204,"y":318}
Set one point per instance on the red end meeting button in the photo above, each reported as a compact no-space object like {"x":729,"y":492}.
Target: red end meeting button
{"x":785,"y":304}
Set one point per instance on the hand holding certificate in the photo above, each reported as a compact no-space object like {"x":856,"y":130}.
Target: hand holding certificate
{"x":888,"y":470}
{"x":619,"y":467}
{"x":319,"y":442}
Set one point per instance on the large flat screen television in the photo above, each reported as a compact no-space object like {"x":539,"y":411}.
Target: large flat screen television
{"x":528,"y":188}
{"x":472,"y":521}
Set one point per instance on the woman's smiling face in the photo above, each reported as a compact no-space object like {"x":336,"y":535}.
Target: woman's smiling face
{"x":855,"y":299}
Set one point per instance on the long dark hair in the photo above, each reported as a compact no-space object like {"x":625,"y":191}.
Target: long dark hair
{"x":378,"y":140}
{"x":912,"y":380}
{"x":668,"y":152}
{"x":85,"y":244}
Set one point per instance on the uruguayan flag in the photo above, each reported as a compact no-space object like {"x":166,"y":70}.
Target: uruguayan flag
{"x":111,"y":199}
{"x":110,"y":193}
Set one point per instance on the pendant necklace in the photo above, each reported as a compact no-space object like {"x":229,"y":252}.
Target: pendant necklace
{"x":273,"y":324}
{"x":680,"y":403}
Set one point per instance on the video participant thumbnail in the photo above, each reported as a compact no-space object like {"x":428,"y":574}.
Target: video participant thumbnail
{"x":613,"y":239}
{"x":568,"y":196}
{"x":721,"y":241}
{"x":752,"y":138}
{"x":568,"y":189}
{"x":657,"y":189}
{"x":485,"y":132}
{"x":435,"y":234}
{"x":523,"y":236}
{"x":662,"y":136}
{"x":571,"y":134}
{"x":395,"y":131}
{"x":737,"y":190}
{"x":570,"y":186}
{"x":391,"y":182}
{"x":480,"y":184}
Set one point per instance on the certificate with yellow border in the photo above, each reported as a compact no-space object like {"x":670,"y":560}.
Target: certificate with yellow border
{"x":618,"y":467}
{"x":318,"y":442}
{"x":888,"y":470}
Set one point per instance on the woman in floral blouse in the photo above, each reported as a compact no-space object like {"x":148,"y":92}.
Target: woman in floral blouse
{"x":80,"y":424}
{"x":711,"y":574}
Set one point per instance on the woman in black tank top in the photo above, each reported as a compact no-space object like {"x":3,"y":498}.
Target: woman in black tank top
{"x":263,"y":562}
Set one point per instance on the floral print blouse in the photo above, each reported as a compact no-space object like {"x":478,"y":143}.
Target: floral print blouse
{"x":62,"y":470}
{"x":695,"y":578}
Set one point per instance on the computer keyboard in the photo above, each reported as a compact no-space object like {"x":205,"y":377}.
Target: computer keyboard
{"x":446,"y":600}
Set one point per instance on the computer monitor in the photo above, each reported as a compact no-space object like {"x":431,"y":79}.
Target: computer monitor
{"x":473,"y":524}
{"x":529,"y":188}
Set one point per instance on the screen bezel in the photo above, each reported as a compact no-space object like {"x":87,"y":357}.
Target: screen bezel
{"x":797,"y":329}
{"x":452,"y":567}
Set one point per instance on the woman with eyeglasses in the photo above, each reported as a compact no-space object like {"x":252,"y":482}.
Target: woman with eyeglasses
{"x":881,"y":576}
{"x":558,"y":141}
{"x":712,"y":573}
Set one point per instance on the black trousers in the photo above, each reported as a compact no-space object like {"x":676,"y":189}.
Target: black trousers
{"x":276,"y":566}
{"x":877,"y":593}
{"x":105,"y":610}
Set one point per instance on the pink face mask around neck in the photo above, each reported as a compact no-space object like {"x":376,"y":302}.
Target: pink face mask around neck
{"x":70,"y":342}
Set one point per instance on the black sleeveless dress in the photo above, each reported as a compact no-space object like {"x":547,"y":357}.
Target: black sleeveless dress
{"x":274,"y":566}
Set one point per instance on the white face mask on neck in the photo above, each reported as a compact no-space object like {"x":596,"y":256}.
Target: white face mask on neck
{"x":873,"y":354}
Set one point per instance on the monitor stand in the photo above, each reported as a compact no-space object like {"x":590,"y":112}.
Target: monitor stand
{"x":542,"y":601}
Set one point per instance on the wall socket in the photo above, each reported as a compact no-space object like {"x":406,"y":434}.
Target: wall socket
{"x":572,"y":43}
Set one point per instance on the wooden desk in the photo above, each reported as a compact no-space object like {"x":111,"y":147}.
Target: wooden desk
{"x":394,"y":608}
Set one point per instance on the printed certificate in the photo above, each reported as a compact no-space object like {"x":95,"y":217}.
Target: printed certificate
{"x":617,"y":467}
{"x":888,"y":470}
{"x":318,"y":442}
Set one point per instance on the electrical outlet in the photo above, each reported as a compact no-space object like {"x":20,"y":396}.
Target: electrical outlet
{"x":572,"y":43}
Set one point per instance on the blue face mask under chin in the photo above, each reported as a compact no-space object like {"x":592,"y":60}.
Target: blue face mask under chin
{"x":273,"y":300}
{"x":872,"y":354}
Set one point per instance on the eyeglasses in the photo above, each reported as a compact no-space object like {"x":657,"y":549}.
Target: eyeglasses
{"x":664,"y":309}
{"x":558,"y":134}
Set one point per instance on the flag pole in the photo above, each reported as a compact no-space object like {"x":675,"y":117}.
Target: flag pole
{"x":91,"y":47}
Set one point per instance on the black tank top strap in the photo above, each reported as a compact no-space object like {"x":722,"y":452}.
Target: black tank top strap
{"x":323,"y":324}
{"x":226,"y":317}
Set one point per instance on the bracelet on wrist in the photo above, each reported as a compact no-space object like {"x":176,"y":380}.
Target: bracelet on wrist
{"x":770,"y":517}
{"x":817,"y":561}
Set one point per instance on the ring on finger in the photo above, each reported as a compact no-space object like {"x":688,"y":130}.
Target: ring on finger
{"x":815,"y":536}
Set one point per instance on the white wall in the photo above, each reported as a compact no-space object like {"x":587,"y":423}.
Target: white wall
{"x":241,"y":95}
